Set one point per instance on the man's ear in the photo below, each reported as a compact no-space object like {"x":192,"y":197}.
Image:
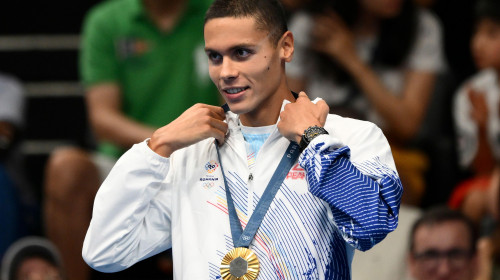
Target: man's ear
{"x":286,"y":46}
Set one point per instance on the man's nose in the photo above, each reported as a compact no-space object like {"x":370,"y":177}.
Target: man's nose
{"x":229,"y":70}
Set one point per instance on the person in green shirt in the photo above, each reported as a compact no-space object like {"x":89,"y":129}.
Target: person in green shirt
{"x":142,"y":63}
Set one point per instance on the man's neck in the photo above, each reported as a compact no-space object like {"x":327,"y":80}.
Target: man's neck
{"x":269,"y":111}
{"x":165,"y":13}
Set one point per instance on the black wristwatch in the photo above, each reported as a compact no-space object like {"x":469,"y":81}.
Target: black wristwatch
{"x":309,"y":134}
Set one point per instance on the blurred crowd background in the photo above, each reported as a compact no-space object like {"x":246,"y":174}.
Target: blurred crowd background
{"x":82,"y":81}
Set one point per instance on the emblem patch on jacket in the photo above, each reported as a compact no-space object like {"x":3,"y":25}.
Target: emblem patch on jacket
{"x":296,"y":173}
{"x":210,"y":167}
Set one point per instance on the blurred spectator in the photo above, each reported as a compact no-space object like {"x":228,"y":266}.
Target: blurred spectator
{"x":32,"y":258}
{"x":477,"y":115}
{"x":15,"y":195}
{"x":443,"y":246}
{"x":143,"y":64}
{"x":377,"y":60}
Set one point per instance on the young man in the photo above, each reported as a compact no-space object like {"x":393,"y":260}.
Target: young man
{"x":443,"y":246}
{"x":214,"y":201}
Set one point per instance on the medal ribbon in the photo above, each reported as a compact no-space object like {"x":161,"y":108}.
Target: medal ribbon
{"x":243,"y":238}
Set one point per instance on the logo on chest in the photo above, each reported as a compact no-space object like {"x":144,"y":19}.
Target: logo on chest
{"x":209,"y":178}
{"x":211,"y":166}
{"x":296,"y":173}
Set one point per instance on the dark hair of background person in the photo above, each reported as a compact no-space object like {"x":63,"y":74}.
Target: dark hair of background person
{"x":31,"y":253}
{"x":269,"y":14}
{"x":29,"y":247}
{"x":439,"y":215}
{"x":488,"y":9}
{"x":396,"y":38}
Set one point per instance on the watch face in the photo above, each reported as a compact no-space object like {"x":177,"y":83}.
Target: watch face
{"x":311,"y":133}
{"x":314,"y":131}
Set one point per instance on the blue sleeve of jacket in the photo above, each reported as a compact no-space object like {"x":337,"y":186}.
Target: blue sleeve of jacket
{"x":365,"y":208}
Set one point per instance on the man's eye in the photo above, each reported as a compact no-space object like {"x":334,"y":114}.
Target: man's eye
{"x":214,"y":57}
{"x":242,"y":53}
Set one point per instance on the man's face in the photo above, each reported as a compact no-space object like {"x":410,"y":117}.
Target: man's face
{"x":243,"y":63}
{"x":442,"y":251}
{"x":486,"y":44}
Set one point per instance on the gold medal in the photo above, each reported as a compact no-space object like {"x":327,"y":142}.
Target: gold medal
{"x":240,"y":264}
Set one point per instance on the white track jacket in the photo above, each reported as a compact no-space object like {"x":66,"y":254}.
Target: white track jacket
{"x":343,"y":193}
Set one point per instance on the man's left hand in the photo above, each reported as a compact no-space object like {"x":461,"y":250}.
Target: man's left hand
{"x":297,"y":117}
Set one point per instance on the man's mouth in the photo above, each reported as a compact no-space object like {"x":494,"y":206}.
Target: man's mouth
{"x":235,"y":90}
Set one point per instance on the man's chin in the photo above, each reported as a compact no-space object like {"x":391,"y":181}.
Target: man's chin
{"x":237,"y":108}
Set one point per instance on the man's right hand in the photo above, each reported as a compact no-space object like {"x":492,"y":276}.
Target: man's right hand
{"x":197,"y":123}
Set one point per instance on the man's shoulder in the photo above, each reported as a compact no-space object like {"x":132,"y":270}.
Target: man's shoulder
{"x":353,"y":132}
{"x":366,"y":141}
{"x":348,"y":125}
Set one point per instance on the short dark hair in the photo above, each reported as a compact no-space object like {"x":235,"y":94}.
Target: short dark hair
{"x":488,"y":9}
{"x":442,"y":214}
{"x":269,"y":14}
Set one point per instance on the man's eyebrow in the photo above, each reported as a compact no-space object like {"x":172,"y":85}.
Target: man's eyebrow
{"x":236,"y":47}
{"x":243,"y":46}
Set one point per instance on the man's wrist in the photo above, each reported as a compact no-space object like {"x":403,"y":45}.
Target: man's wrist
{"x":309,"y":134}
{"x":162,"y":150}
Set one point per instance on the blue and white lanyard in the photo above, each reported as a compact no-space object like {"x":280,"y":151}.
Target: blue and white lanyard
{"x":243,"y":238}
